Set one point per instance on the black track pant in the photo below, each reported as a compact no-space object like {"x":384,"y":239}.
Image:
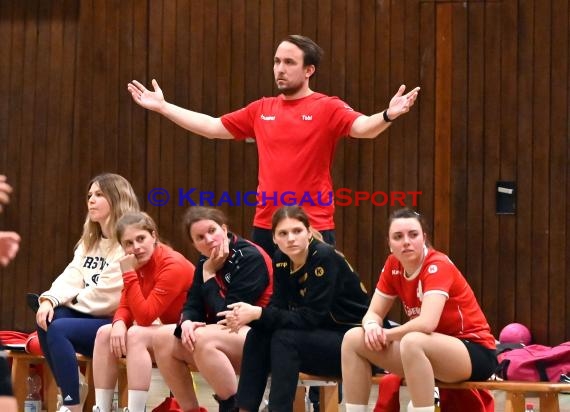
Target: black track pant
{"x":283,"y":354}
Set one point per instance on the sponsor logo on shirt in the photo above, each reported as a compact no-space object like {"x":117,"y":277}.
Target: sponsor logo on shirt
{"x":396,"y":272}
{"x":432,"y":269}
{"x":306,"y":117}
{"x":412,"y":312}
{"x":265,"y":117}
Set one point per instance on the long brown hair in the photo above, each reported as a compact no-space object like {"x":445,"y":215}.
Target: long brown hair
{"x":121,"y":197}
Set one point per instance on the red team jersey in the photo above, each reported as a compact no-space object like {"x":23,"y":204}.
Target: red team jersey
{"x":461,"y":317}
{"x":156,"y":290}
{"x":296,"y":140}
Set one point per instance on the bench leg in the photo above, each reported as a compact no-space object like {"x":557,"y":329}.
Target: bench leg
{"x":299,"y":403}
{"x":90,"y":400}
{"x":20,"y":372}
{"x":50,"y":389}
{"x":123,"y":387}
{"x":328,"y":398}
{"x":549,"y":402}
{"x":514,"y":402}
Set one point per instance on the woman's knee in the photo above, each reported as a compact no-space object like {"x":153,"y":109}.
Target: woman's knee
{"x":352,"y":339}
{"x":57,"y":330}
{"x":103,"y":334}
{"x":162,"y":340}
{"x":412,"y":342}
{"x":138,"y":336}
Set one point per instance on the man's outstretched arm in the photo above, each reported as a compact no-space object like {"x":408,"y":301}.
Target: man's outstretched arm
{"x":198,"y":123}
{"x":368,"y":127}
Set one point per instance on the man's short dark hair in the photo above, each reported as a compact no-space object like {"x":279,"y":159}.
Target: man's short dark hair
{"x":312,"y":52}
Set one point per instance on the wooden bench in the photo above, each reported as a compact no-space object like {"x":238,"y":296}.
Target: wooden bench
{"x":516,"y":391}
{"x":21,"y":362}
{"x":547,"y":392}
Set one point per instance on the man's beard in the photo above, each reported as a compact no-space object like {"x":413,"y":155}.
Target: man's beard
{"x":290,"y":90}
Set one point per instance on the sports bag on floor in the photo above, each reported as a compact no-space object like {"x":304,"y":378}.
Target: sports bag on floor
{"x":535,"y":363}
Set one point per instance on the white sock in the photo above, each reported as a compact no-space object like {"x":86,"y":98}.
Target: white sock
{"x":104,"y":399}
{"x":412,"y":408}
{"x":137,"y":400}
{"x":350,"y":407}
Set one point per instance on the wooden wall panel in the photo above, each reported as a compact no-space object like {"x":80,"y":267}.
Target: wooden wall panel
{"x":491,"y":127}
{"x":36,"y":141}
{"x":461,"y":17}
{"x":443,"y":113}
{"x":426,"y":113}
{"x":384,"y":88}
{"x":507,"y":274}
{"x":475,"y":150}
{"x":541,"y":133}
{"x":500,"y":98}
{"x":558,"y":194}
{"x":366,"y":91}
{"x":524,"y":163}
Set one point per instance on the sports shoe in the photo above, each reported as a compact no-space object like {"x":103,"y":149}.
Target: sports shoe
{"x":96,"y":409}
{"x":227,"y":405}
{"x":32,"y":299}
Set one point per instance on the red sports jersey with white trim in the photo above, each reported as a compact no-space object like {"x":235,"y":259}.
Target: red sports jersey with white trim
{"x":462,"y":316}
{"x":296,"y":140}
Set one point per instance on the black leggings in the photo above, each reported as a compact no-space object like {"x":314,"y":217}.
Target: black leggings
{"x":5,"y":377}
{"x":283,"y":354}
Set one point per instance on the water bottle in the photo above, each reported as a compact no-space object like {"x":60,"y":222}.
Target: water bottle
{"x":115,"y":404}
{"x":529,"y":407}
{"x":33,"y":401}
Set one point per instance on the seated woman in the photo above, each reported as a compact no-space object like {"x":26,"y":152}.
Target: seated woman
{"x":230,"y":269}
{"x":156,"y":280}
{"x":85,"y":296}
{"x":447,"y":337}
{"x":317,"y":298}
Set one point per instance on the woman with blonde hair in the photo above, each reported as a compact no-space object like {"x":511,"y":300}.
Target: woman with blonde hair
{"x":85,"y":296}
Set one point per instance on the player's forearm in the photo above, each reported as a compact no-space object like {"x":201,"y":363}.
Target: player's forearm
{"x":198,"y":123}
{"x":368,"y":127}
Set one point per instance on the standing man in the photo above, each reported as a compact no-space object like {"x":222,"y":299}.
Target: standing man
{"x":296,"y":134}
